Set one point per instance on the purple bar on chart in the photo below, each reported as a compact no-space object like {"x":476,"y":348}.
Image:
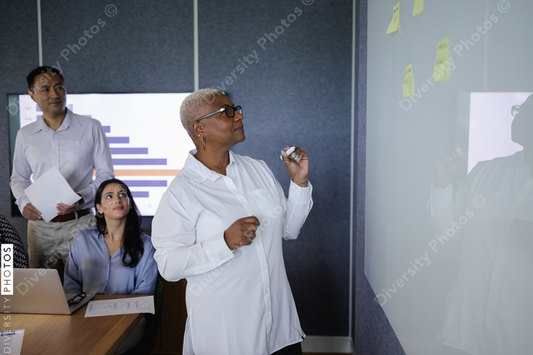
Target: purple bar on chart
{"x":118,"y":139}
{"x":137,"y":194}
{"x":129,"y":150}
{"x":139,"y":162}
{"x":107,"y":129}
{"x":145,"y":183}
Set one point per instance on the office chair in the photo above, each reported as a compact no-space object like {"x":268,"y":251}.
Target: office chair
{"x":9,"y":235}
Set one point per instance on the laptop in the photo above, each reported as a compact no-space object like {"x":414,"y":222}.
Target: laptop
{"x":40,"y":291}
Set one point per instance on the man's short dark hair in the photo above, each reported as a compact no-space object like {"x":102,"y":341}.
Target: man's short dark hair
{"x":41,"y":70}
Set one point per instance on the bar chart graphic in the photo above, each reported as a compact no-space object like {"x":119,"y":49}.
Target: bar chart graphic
{"x":148,"y":143}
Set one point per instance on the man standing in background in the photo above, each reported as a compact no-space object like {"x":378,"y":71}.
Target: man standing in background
{"x":77,"y":146}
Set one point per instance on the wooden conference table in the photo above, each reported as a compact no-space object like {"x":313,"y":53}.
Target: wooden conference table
{"x":73,"y":334}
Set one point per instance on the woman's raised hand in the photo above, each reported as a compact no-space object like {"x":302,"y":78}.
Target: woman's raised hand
{"x":297,"y":164}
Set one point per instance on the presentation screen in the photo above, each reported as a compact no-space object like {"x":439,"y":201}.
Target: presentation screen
{"x":148,"y":143}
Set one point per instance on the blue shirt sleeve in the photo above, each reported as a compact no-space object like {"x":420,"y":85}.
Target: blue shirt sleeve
{"x":73,"y":278}
{"x":146,"y":270}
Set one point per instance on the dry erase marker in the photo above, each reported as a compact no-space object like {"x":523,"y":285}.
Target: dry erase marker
{"x":288,"y":152}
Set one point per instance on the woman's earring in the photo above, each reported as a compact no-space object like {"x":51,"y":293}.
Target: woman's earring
{"x":204,"y":142}
{"x":99,"y":214}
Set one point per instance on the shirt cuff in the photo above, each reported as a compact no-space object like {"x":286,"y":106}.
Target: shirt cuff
{"x":22,"y":203}
{"x":217,"y":250}
{"x":85,"y":195}
{"x":299,"y":195}
{"x":441,"y":196}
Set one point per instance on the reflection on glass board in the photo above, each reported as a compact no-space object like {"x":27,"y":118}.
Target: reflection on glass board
{"x":491,"y":216}
{"x":454,"y":280}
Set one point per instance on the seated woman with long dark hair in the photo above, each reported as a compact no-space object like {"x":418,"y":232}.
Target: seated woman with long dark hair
{"x":116,"y":257}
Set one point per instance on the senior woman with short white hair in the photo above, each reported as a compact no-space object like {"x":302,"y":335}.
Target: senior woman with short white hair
{"x":220,"y":225}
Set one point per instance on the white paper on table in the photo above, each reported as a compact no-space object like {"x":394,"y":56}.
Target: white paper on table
{"x":48,"y":190}
{"x":144,"y":304}
{"x":11,"y":342}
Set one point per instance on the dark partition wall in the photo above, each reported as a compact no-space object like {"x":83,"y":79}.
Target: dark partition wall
{"x":18,"y":54}
{"x":125,"y":46}
{"x":289,"y":66}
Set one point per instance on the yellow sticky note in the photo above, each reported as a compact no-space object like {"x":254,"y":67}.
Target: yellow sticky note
{"x":408,"y":81}
{"x":395,"y":22}
{"x":418,"y":7}
{"x":441,"y":71}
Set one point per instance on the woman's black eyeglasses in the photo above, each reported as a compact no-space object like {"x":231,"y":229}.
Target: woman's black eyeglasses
{"x":229,"y":110}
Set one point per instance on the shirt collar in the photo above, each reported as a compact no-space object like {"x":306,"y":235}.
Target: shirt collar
{"x":103,"y":245}
{"x":198,"y":172}
{"x":70,"y":120}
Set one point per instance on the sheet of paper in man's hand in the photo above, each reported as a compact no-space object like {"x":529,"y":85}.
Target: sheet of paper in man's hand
{"x":49,"y":190}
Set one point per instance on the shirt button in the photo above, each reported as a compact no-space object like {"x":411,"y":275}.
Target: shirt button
{"x":264,"y":268}
{"x":267,"y":291}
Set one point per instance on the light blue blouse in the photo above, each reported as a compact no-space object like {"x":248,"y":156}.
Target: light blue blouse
{"x":89,"y":268}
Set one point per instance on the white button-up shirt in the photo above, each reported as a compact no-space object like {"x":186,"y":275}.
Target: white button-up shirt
{"x":77,"y":148}
{"x":489,"y":308}
{"x":238,"y":302}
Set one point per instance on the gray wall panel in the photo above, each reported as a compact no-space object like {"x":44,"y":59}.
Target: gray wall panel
{"x":19,"y":54}
{"x":297,"y":92}
{"x":125,"y":46}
